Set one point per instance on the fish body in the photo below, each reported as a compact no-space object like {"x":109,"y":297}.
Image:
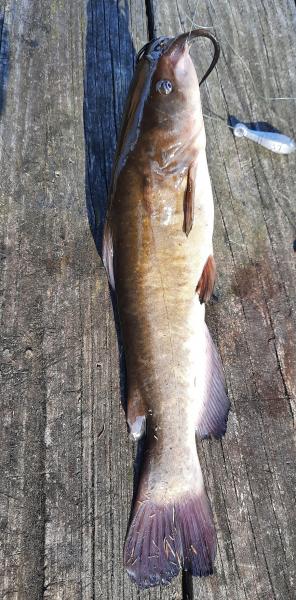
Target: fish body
{"x":159,"y":256}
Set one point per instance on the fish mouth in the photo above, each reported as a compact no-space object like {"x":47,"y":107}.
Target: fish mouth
{"x":175,"y":47}
{"x":154,"y":49}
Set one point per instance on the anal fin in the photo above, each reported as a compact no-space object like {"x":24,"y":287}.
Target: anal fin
{"x":215,"y":405}
{"x":206,"y":283}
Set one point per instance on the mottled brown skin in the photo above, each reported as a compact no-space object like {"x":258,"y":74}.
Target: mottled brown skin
{"x":160,"y":225}
{"x":156,"y":267}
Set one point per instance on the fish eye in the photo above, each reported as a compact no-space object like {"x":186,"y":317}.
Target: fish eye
{"x":164,"y":87}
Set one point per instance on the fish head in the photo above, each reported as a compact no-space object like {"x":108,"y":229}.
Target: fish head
{"x":174,"y":86}
{"x":172,"y":99}
{"x":164,"y":100}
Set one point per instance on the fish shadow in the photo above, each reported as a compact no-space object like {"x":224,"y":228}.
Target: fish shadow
{"x":109,"y":65}
{"x":4,"y":61}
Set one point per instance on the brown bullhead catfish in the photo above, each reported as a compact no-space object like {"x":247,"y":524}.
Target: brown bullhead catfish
{"x":158,"y":253}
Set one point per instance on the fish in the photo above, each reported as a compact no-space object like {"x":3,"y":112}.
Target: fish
{"x":158,"y":253}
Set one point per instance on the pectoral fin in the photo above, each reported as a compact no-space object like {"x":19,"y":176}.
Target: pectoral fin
{"x":206,"y":283}
{"x":107,"y":254}
{"x":189,"y":200}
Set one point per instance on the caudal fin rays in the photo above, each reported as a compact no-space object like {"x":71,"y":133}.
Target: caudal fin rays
{"x":163,"y":538}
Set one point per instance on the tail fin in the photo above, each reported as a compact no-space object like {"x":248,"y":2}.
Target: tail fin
{"x":168,"y":533}
{"x":163,"y":538}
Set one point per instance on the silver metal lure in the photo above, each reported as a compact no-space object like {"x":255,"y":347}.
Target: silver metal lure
{"x":276,"y":142}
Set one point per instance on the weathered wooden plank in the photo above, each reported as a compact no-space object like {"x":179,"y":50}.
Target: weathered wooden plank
{"x":23,"y":384}
{"x":66,"y":462}
{"x":251,"y":475}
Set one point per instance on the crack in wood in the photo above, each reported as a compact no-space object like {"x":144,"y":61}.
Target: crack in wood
{"x":150,"y":19}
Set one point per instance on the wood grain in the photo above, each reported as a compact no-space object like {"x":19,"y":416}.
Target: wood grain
{"x":251,"y":474}
{"x":66,"y":464}
{"x":66,"y":461}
